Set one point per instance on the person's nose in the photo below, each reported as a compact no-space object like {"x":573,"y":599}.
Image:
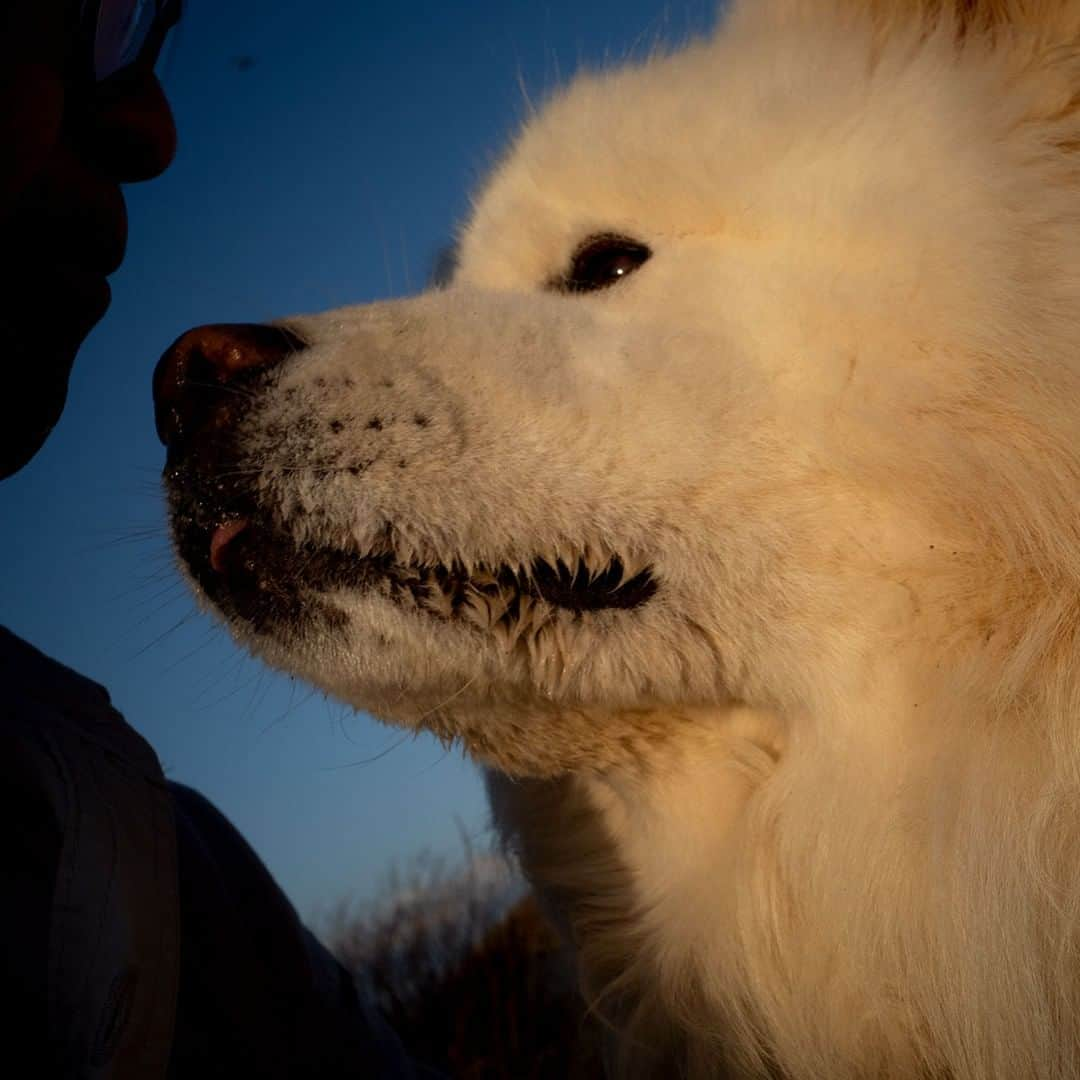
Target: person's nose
{"x":127,"y":128}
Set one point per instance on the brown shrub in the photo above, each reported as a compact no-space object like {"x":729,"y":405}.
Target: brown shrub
{"x":471,"y":977}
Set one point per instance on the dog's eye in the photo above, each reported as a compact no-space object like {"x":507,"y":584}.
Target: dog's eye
{"x":601,"y":261}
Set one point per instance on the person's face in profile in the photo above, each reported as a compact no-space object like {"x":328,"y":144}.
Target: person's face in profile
{"x":81,"y":112}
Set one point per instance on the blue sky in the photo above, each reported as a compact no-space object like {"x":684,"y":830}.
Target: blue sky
{"x":327,"y":151}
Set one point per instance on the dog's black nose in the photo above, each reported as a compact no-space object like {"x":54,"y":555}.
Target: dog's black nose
{"x":195,"y":381}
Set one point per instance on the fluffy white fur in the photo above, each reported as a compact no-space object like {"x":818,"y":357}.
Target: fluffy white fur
{"x":814,"y":810}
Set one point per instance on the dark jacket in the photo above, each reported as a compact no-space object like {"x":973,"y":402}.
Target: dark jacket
{"x":140,"y":936}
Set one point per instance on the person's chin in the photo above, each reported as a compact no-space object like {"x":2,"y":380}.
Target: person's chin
{"x":82,"y":298}
{"x":45,"y":315}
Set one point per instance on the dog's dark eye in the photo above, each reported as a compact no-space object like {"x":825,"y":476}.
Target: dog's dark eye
{"x":602,"y":261}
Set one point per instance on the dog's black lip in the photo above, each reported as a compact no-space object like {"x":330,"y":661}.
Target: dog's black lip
{"x":260,"y":579}
{"x":579,"y":589}
{"x":265,"y":576}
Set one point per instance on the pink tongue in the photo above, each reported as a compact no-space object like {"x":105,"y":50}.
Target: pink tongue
{"x":223,"y":535}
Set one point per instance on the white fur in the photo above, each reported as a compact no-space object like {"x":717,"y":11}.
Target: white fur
{"x":814,"y":810}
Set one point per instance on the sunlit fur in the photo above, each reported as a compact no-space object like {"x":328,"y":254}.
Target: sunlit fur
{"x":813,"y":811}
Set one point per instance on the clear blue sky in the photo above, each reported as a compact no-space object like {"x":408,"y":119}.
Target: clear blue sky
{"x":327,"y":150}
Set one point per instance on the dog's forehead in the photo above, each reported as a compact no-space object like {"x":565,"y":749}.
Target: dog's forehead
{"x":589,"y":161}
{"x":741,"y":134}
{"x":809,"y":146}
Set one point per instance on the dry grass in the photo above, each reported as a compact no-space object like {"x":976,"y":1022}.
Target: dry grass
{"x":469,"y":974}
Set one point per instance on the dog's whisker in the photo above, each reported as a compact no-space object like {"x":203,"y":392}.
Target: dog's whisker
{"x":436,"y":709}
{"x":224,"y":388}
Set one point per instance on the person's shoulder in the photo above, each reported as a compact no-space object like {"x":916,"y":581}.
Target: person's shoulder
{"x":96,"y":850}
{"x":41,"y":695}
{"x":25,"y":670}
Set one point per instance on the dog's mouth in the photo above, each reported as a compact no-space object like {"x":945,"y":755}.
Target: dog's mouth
{"x":254,"y":571}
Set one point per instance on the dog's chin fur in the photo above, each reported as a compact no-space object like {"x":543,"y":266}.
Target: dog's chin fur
{"x":810,"y":808}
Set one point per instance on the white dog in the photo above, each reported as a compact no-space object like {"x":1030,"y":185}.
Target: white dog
{"x":727,"y":504}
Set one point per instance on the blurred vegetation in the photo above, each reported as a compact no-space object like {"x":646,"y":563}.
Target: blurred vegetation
{"x":469,"y":973}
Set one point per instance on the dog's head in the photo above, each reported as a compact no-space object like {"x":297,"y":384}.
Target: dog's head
{"x":755,"y":381}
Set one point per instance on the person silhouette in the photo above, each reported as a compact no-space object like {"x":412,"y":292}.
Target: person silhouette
{"x":142,"y":937}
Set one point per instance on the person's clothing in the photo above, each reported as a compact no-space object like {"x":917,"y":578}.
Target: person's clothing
{"x":140,"y":936}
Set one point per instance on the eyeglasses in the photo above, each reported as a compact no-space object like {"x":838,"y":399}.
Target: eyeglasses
{"x":115,"y":34}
